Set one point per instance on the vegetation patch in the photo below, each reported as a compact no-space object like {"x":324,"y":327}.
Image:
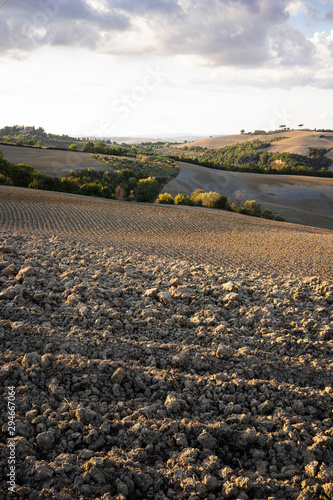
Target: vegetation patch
{"x":141,"y":164}
{"x":201,"y":198}
{"x":141,"y":182}
{"x":252,"y":156}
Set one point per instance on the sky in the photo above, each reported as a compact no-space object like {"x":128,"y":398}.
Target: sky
{"x":108,"y":68}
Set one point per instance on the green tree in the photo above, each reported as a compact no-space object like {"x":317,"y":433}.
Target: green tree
{"x":69,"y":186}
{"x":100,"y":147}
{"x":221,"y":202}
{"x":147,"y":189}
{"x":73,"y":147}
{"x":39,"y":143}
{"x":88,"y":147}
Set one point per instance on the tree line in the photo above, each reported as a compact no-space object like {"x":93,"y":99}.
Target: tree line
{"x":201,"y":198}
{"x":252,"y":156}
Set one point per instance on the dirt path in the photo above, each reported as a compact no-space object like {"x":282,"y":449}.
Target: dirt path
{"x":299,"y":199}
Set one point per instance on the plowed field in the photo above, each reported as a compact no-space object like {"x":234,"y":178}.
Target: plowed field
{"x":193,"y":234}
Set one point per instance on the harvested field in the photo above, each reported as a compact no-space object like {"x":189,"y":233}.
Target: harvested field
{"x":164,"y":353}
{"x":51,"y":162}
{"x":299,"y":199}
{"x":292,"y":141}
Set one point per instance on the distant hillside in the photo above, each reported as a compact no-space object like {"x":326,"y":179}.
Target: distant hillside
{"x":292,"y":141}
{"x":32,"y":136}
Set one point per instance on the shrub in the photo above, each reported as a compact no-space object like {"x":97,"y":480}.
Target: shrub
{"x":267,"y":214}
{"x":3,"y":179}
{"x":132,"y":196}
{"x":100,"y":147}
{"x":91,"y":189}
{"x":252,"y":208}
{"x":69,"y":186}
{"x":107,"y":192}
{"x":21,"y":174}
{"x":182,"y":199}
{"x":73,"y":146}
{"x":132,"y":182}
{"x":147,"y":189}
{"x":196,"y":197}
{"x":220,"y":201}
{"x":165,"y":199}
{"x":279,"y":218}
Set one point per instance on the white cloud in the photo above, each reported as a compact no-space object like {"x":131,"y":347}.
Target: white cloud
{"x":243,"y":41}
{"x":220,"y":32}
{"x":297,"y":7}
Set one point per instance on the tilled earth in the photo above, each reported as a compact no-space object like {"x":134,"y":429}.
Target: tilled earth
{"x":163,"y":354}
{"x":144,"y":378}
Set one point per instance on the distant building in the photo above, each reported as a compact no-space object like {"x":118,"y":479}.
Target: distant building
{"x":27,"y":130}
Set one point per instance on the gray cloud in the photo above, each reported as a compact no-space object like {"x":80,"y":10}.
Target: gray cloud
{"x":329,"y":15}
{"x":291,"y":47}
{"x":244,"y":33}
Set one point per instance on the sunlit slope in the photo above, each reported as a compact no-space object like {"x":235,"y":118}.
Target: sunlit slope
{"x":294,"y":141}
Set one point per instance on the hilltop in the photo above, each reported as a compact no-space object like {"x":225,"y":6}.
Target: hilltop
{"x":291,"y":141}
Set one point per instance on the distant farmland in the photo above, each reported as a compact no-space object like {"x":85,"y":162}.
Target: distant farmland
{"x":52,"y":162}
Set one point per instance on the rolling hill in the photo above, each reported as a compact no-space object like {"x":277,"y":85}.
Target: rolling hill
{"x":293,"y":141}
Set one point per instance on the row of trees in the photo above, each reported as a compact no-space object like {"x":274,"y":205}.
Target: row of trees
{"x":100,"y":147}
{"x":216,"y":200}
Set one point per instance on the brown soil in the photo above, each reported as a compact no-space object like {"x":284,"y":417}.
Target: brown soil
{"x":194,"y":234}
{"x":163,"y":353}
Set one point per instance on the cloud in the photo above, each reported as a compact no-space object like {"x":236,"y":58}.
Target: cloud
{"x":329,"y":15}
{"x":290,"y":47}
{"x":220,"y":33}
{"x":296,"y":7}
{"x":26,"y":26}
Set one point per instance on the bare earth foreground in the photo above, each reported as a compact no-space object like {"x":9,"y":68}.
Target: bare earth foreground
{"x":163,"y":352}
